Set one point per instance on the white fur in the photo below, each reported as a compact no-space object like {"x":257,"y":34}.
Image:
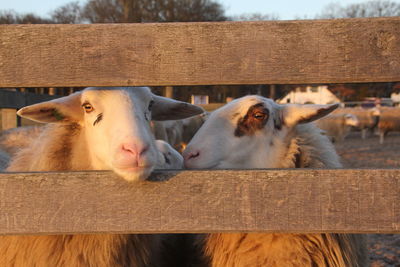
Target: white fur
{"x":219,"y":148}
{"x":286,"y":140}
{"x":72,"y":141}
{"x":169,"y":157}
{"x":121,"y":141}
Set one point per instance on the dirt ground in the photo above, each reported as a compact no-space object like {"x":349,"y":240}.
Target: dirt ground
{"x":358,"y":153}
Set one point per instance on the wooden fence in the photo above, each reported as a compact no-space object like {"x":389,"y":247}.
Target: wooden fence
{"x":280,"y":52}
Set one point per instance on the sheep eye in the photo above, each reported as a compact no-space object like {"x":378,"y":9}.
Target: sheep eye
{"x":151,"y":104}
{"x":259,"y":115}
{"x":87,"y":107}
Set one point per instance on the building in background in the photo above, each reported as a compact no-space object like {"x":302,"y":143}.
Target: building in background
{"x":310,"y":95}
{"x":199,"y":99}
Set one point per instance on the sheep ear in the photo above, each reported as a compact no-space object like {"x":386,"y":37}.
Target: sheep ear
{"x":64,"y":109}
{"x":294,"y":114}
{"x":169,"y":109}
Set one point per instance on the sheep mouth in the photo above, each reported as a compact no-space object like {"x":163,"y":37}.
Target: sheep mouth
{"x":193,"y":165}
{"x":134,"y":173}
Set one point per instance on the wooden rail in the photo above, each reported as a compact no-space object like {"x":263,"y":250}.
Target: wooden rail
{"x":278,"y":52}
{"x":361,"y":201}
{"x":325,"y":51}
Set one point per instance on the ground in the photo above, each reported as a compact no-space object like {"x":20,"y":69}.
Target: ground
{"x":358,"y":153}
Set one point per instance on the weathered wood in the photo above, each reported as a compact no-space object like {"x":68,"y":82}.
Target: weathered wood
{"x":8,"y":118}
{"x":277,"y":52}
{"x":202,"y":201}
{"x":169,"y":91}
{"x":16,"y":100}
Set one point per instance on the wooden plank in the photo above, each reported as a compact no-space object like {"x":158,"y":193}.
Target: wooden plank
{"x":277,"y":52}
{"x":17,"y":100}
{"x":361,"y":201}
{"x":8,"y":118}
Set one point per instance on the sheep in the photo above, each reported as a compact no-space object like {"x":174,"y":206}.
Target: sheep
{"x":94,"y":129}
{"x":169,"y":131}
{"x":170,"y":158}
{"x":367,"y":118}
{"x":389,"y":121}
{"x":255,"y":132}
{"x":337,"y":126}
{"x":14,"y":139}
{"x":191,"y":126}
{"x":4,"y":160}
{"x":178,"y":133}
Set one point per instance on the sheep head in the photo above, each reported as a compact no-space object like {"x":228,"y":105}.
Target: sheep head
{"x":249,"y":132}
{"x":114,"y":123}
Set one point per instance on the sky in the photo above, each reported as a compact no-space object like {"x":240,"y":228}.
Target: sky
{"x":285,"y":9}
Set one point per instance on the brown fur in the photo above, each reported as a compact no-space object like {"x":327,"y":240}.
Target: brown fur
{"x":306,"y":148}
{"x":61,"y":147}
{"x":249,"y":124}
{"x":389,"y":121}
{"x":276,"y":250}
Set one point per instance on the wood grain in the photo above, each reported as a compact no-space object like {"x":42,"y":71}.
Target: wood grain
{"x":8,"y":118}
{"x":361,"y":201}
{"x":278,"y":52}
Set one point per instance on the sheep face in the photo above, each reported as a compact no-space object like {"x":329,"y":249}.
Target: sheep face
{"x":169,"y":157}
{"x":248,"y":132}
{"x":351,"y":120}
{"x":114,"y":125}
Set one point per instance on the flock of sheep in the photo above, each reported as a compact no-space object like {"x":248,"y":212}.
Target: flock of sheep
{"x":132,"y":131}
{"x":375,"y":120}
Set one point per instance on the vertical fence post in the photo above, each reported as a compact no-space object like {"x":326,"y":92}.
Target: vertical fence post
{"x":8,"y":118}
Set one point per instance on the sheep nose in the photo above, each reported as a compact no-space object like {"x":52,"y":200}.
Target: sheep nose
{"x":134,"y":149}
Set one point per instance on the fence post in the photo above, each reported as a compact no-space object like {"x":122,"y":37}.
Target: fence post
{"x":169,"y":91}
{"x":8,"y":118}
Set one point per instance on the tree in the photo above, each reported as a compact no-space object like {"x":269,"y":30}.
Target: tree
{"x":96,"y":11}
{"x":374,"y":8}
{"x":11,"y":17}
{"x":255,"y":17}
{"x":68,"y":14}
{"x":103,"y":11}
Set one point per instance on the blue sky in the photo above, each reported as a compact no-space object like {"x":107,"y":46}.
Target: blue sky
{"x":285,"y":9}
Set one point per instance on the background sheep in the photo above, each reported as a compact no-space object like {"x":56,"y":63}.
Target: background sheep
{"x":97,"y":128}
{"x":367,"y":118}
{"x":337,"y":126}
{"x":255,"y":132}
{"x":14,"y":139}
{"x":389,"y":122}
{"x":178,"y":133}
{"x":170,"y":158}
{"x":4,"y":160}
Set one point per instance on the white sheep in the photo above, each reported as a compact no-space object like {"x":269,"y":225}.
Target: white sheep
{"x":95,"y":129}
{"x":337,"y":126}
{"x":255,"y":132}
{"x":178,"y":133}
{"x":169,"y":157}
{"x":367,"y":118}
{"x":389,"y":122}
{"x":14,"y":139}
